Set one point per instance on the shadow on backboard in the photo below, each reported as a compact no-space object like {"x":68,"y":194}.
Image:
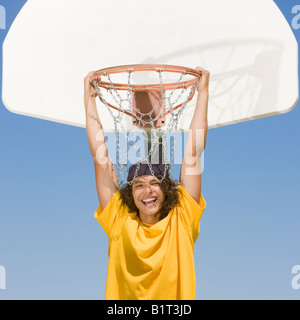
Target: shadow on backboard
{"x":244,"y":78}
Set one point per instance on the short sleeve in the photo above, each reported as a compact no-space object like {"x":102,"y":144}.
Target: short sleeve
{"x":191,"y":211}
{"x":112,"y":217}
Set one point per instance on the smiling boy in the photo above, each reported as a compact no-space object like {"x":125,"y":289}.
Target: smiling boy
{"x":151,"y":225}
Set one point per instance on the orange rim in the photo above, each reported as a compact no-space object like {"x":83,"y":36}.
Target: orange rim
{"x":146,"y":67}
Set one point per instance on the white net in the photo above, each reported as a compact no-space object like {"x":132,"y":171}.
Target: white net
{"x":155,"y":115}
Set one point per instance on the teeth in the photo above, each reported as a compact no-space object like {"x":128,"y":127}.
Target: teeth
{"x":148,"y":200}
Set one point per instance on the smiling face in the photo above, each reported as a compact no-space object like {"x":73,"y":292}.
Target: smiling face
{"x":148,"y":197}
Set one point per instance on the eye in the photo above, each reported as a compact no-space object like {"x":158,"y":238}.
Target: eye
{"x":155,"y":183}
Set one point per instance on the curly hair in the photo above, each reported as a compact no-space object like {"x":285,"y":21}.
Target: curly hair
{"x":169,"y":189}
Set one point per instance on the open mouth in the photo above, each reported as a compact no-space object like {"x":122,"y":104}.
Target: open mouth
{"x":150,"y":202}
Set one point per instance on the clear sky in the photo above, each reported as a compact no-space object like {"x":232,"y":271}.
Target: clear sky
{"x":53,"y":248}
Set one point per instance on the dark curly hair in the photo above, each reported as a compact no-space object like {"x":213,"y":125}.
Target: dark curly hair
{"x":169,"y":189}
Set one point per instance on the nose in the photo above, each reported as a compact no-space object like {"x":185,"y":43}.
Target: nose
{"x":148,"y":188}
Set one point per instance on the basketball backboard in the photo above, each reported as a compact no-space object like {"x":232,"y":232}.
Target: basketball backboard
{"x":247,"y":45}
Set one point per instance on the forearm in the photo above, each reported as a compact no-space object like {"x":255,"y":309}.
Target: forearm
{"x":191,"y":169}
{"x":199,"y":125}
{"x":199,"y":120}
{"x":95,"y":132}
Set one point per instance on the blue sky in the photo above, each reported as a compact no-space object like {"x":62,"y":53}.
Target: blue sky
{"x":53,"y":248}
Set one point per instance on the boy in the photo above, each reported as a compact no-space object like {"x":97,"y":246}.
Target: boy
{"x":152,"y":226}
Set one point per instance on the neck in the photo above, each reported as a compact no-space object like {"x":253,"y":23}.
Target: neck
{"x":150,"y":219}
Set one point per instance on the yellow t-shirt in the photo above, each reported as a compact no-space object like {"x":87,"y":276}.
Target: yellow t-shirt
{"x":151,"y":262}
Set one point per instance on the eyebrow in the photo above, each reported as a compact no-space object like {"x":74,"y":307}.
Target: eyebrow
{"x":141,"y":181}
{"x":137,"y":181}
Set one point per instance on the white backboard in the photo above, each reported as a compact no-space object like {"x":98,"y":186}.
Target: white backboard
{"x":247,"y":45}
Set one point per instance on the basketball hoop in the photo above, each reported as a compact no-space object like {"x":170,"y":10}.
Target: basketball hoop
{"x":148,"y":94}
{"x":139,"y":89}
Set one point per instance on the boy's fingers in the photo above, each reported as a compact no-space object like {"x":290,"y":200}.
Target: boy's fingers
{"x":89,"y":76}
{"x":203,"y":71}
